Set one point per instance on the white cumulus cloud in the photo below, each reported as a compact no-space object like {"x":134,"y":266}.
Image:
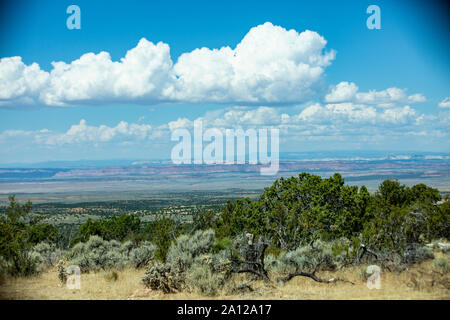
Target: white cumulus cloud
{"x":82,"y":132}
{"x":271,"y":65}
{"x":346,"y":112}
{"x":19,"y":82}
{"x":348,"y":92}
{"x":343,"y":91}
{"x":399,"y":115}
{"x":444,"y":103}
{"x":143,"y":74}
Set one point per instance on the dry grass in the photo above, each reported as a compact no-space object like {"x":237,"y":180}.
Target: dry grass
{"x":417,"y":283}
{"x":93,"y":286}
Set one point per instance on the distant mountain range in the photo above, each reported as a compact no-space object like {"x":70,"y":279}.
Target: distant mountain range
{"x":136,"y":179}
{"x":284,"y":156}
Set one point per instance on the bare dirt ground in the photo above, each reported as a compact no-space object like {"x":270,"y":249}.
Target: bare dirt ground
{"x":419,"y":282}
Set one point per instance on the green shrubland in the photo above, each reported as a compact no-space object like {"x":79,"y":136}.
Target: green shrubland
{"x":300,"y":224}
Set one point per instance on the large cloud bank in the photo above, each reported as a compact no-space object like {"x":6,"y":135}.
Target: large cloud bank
{"x":271,"y":65}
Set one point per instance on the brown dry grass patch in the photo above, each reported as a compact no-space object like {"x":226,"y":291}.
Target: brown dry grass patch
{"x":419,"y":282}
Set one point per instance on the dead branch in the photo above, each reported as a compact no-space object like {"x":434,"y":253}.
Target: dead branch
{"x":366,"y":250}
{"x":253,"y":258}
{"x":260,"y":275}
{"x":282,"y":280}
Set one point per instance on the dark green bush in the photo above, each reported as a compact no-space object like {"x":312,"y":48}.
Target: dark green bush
{"x":162,"y":232}
{"x":115,"y":228}
{"x":222,"y":244}
{"x":15,"y":243}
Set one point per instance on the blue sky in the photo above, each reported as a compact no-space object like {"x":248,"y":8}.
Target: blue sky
{"x":362,"y":89}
